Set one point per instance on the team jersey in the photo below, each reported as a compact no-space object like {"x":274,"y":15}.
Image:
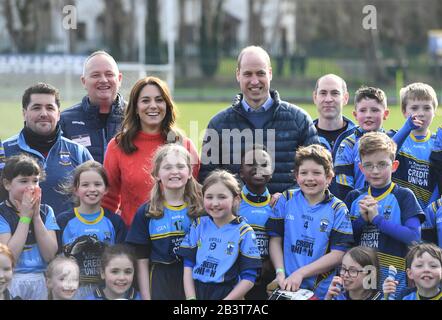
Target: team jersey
{"x":220,"y":254}
{"x":161,"y":236}
{"x":84,"y":236}
{"x":98,"y":294}
{"x":414,"y":168}
{"x":432,"y":227}
{"x":310,"y":232}
{"x":415,"y":296}
{"x":395,"y":205}
{"x":256,"y":215}
{"x":30,"y":260}
{"x":345,"y":296}
{"x":347,"y":162}
{"x":2,"y":156}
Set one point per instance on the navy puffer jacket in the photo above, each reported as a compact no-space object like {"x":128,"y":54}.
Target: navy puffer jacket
{"x":289,"y":128}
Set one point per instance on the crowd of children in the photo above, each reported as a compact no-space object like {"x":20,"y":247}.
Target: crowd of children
{"x":349,"y":221}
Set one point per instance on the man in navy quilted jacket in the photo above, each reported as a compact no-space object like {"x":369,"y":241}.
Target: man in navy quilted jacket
{"x":257,"y":116}
{"x":97,"y":118}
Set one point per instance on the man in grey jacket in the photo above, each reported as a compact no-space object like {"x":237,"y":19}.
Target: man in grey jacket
{"x":257,"y":116}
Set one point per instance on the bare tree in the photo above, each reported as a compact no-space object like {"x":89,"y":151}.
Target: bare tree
{"x":256,"y":29}
{"x":24,"y":22}
{"x":115,"y":26}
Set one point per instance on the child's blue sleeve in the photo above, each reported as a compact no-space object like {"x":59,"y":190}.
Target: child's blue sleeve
{"x":51,"y":221}
{"x":404,"y":132}
{"x":407,"y":233}
{"x":189,"y":246}
{"x":275,"y":222}
{"x":341,"y":236}
{"x":249,"y":255}
{"x":139,"y":229}
{"x":438,"y":220}
{"x":344,"y":166}
{"x":4,"y":226}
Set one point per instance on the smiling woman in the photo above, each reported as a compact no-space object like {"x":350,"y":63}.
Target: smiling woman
{"x":149,"y":122}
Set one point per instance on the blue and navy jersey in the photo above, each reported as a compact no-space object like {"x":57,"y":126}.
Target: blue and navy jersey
{"x":85,"y":235}
{"x":432,"y":227}
{"x":161,"y":236}
{"x":345,"y":296}
{"x":310,"y":232}
{"x":346,"y":161}
{"x":30,"y":260}
{"x":414,"y":168}
{"x":220,"y":254}
{"x":98,"y":294}
{"x":397,"y":205}
{"x":64,"y":156}
{"x":415,"y":296}
{"x":256,"y":215}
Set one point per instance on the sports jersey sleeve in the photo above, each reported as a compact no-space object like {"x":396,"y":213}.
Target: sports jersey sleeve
{"x":275,"y":222}
{"x":357,"y":222}
{"x":51,"y":222}
{"x":409,"y":206}
{"x":138,"y":233}
{"x":438,"y":219}
{"x":402,"y":134}
{"x":4,"y":226}
{"x":341,"y":236}
{"x":189,"y":245}
{"x":249,"y":255}
{"x":344,"y":163}
{"x":436,"y":157}
{"x":120,"y":228}
{"x":407,"y":233}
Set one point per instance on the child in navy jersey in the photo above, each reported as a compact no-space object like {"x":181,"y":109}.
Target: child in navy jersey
{"x":160,"y":225}
{"x":27,"y":227}
{"x":424,"y":269}
{"x":384,"y":216}
{"x":256,"y":172}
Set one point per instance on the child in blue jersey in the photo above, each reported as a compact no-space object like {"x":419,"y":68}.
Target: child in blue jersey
{"x":309,"y":228}
{"x":424,"y":269}
{"x":160,"y":225}
{"x":418,"y":100}
{"x":255,"y":208}
{"x":433,"y":223}
{"x":27,"y":227}
{"x":385,"y":216}
{"x":370,"y":112}
{"x":118,"y":272}
{"x":7,"y":263}
{"x":357,"y":277}
{"x":62,"y":278}
{"x":221,"y":259}
{"x":87,"y":228}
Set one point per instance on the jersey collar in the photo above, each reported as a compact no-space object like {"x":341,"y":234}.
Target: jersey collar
{"x":425,"y":139}
{"x":98,"y":219}
{"x":383,"y":195}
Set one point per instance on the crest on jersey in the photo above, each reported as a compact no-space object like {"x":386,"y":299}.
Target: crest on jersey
{"x":230,"y":247}
{"x":323,"y":225}
{"x":65,"y":159}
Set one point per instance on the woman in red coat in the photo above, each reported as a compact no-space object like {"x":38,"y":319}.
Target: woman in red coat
{"x":149,"y":122}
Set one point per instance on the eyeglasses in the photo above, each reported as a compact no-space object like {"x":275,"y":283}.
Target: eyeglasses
{"x":381,"y":166}
{"x":353,"y":273}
